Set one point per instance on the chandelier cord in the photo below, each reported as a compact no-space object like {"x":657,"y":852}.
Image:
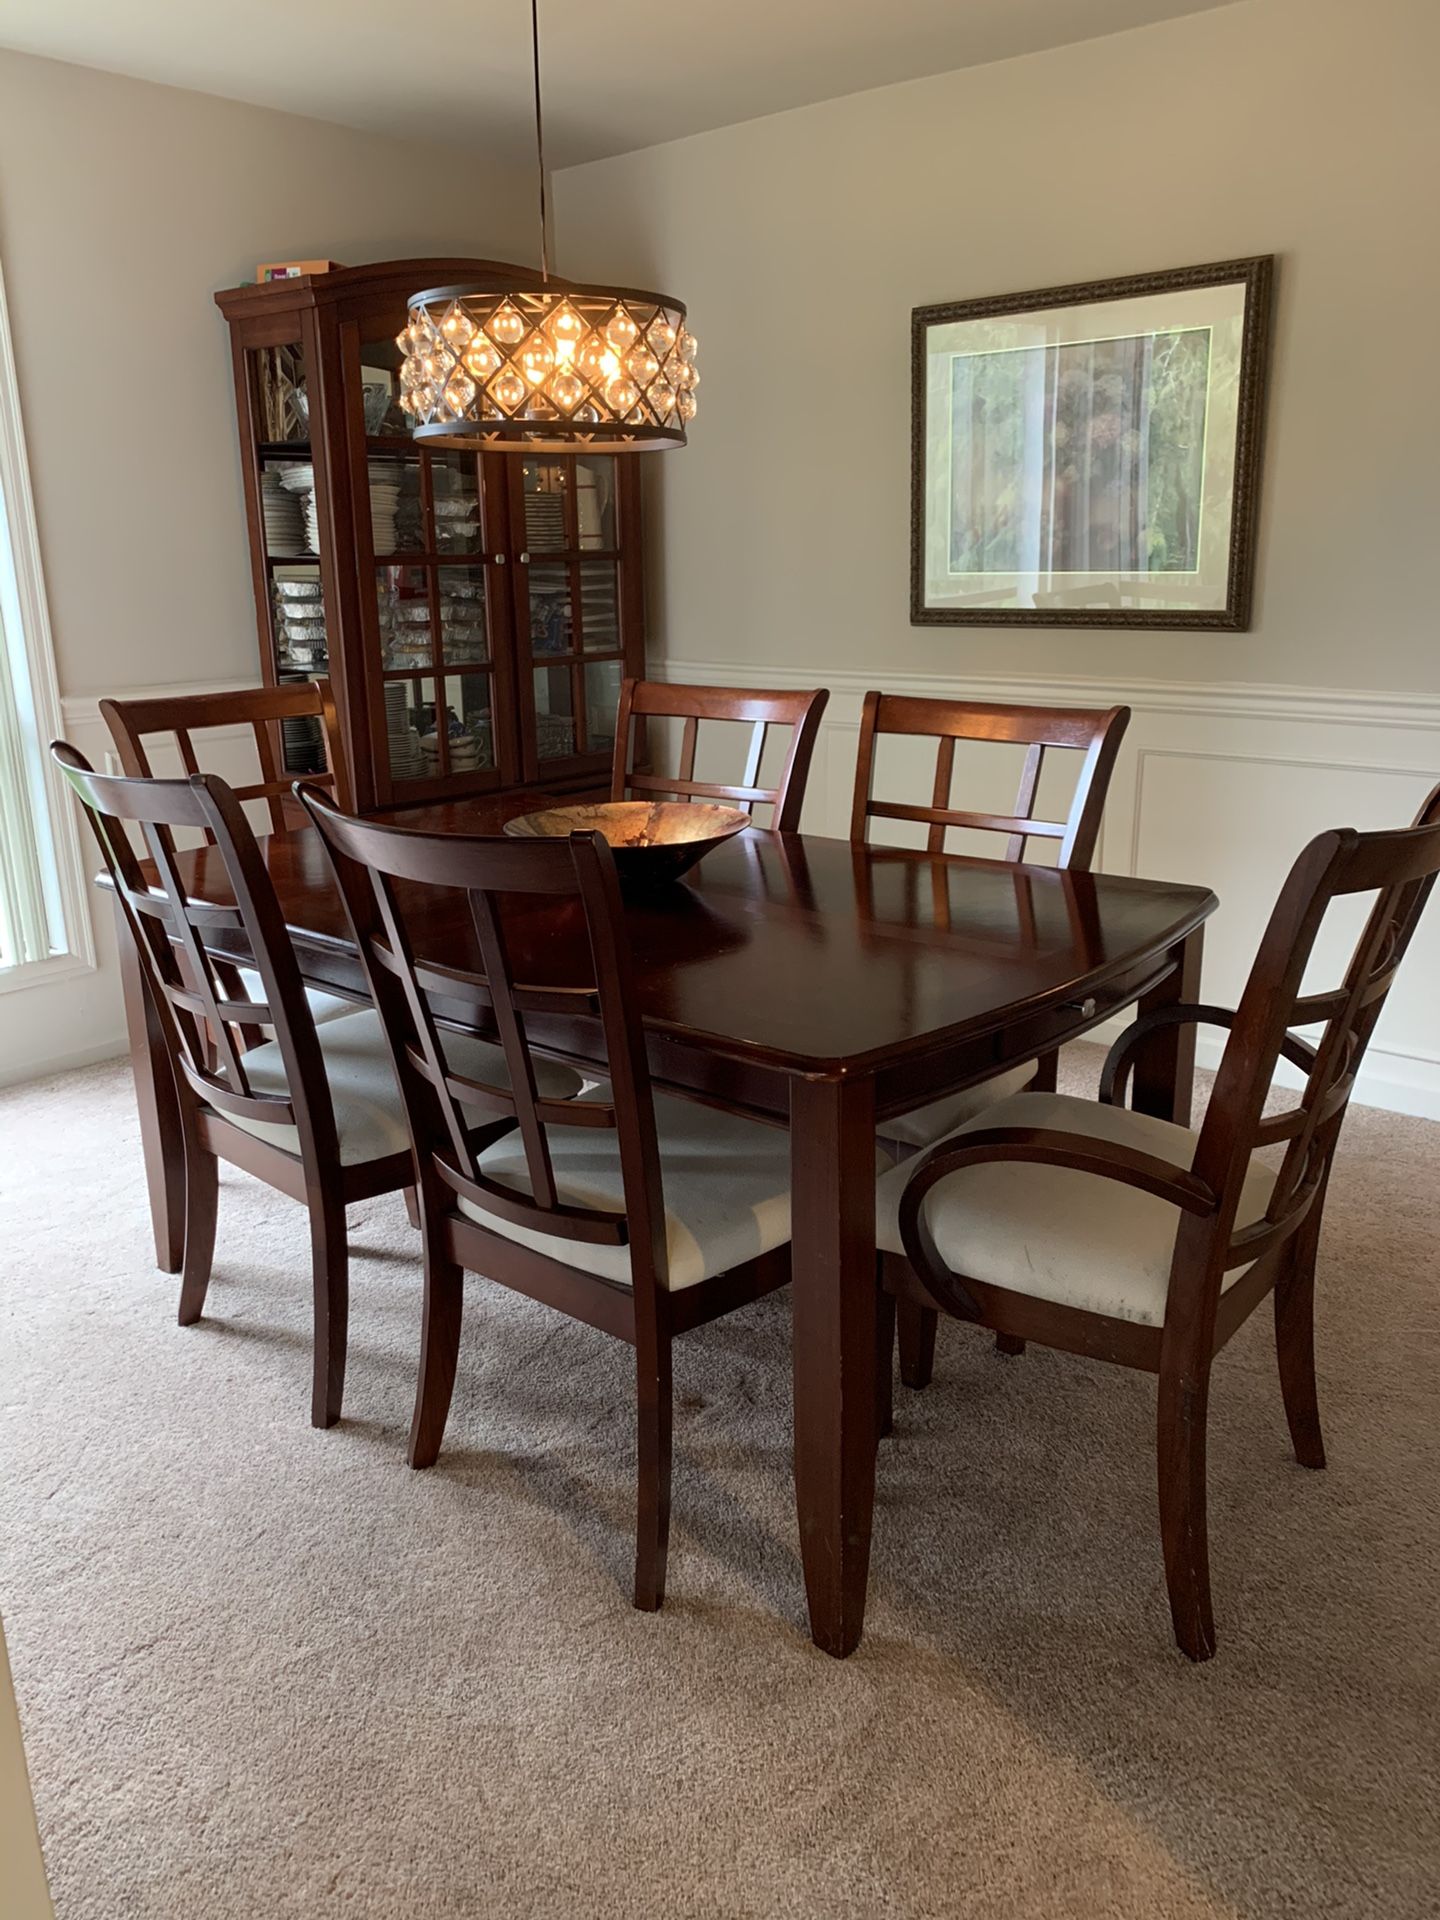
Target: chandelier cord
{"x":540,"y":141}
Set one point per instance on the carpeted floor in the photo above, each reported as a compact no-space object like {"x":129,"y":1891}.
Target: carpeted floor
{"x":265,"y":1671}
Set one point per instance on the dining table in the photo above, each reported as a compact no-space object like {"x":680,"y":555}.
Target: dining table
{"x":812,"y":983}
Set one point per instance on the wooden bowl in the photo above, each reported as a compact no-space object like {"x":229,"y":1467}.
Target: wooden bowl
{"x":654,"y":841}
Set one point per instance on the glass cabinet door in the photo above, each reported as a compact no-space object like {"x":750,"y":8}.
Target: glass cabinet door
{"x":571,"y":627}
{"x":440,"y":617}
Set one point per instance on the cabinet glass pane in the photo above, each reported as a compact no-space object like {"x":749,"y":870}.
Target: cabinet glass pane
{"x":409,"y":712}
{"x":393,"y":482}
{"x":599,"y":606}
{"x":455,"y":503}
{"x":552,"y":627}
{"x":380,"y":388}
{"x":554,"y":713}
{"x":301,"y":642}
{"x":602,"y":696}
{"x":282,"y":410}
{"x":544,"y":507}
{"x":595,"y":502}
{"x":403,"y":609}
{"x":473,"y":743}
{"x":464,"y":641}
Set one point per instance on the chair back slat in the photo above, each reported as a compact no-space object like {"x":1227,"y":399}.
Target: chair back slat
{"x":384,"y":874}
{"x":1093,"y":733}
{"x":199,"y":1020}
{"x":261,"y":709}
{"x":1400,"y":867}
{"x":763,"y":708}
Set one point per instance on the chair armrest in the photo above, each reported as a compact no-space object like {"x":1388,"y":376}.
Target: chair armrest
{"x":1042,"y":1146}
{"x":1115,"y":1074}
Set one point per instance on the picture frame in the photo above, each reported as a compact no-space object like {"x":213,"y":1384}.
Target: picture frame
{"x":1089,"y":455}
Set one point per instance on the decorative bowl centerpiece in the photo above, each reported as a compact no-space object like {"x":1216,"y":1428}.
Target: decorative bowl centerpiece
{"x":654,"y":841}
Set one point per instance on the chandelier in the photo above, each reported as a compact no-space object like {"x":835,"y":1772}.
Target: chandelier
{"x":546,"y":369}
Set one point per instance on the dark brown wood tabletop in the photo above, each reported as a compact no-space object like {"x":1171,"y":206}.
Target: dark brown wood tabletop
{"x":820,"y":985}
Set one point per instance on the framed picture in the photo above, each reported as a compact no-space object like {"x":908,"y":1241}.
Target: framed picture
{"x":1089,"y":456}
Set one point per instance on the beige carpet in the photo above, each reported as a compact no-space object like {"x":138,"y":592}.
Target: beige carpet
{"x":267,"y":1671}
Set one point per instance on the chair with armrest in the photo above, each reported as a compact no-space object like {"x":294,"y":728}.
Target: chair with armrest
{"x":760,"y":708}
{"x":1095,"y":735}
{"x":315,"y":1112}
{"x":640,"y":1214}
{"x":1116,"y":1235}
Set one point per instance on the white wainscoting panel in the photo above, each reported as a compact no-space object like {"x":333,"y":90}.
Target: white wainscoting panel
{"x":1219,"y":785}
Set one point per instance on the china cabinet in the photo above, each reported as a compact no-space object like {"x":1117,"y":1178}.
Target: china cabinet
{"x":475,"y":612}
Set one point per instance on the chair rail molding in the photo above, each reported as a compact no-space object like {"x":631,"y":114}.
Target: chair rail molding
{"x":1218,"y":783}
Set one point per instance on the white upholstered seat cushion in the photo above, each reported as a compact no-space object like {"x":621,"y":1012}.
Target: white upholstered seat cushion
{"x":923,"y":1126}
{"x":1055,"y":1233}
{"x":369,"y":1116}
{"x":323,"y":1006}
{"x":726,"y":1183}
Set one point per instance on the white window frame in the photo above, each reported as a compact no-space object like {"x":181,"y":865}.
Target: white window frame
{"x":78,"y":952}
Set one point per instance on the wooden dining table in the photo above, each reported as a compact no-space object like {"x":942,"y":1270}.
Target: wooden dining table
{"x":817,"y":985}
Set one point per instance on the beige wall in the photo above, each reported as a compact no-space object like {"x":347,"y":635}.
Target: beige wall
{"x":122,"y":207}
{"x":21,"y":1868}
{"x":1305,"y":128}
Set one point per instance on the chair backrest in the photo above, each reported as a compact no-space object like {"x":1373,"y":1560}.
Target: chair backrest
{"x":1399,"y":866}
{"x":762,"y":709}
{"x":1094,"y":733}
{"x":171,"y":930}
{"x":570,"y":891}
{"x":259,"y":708}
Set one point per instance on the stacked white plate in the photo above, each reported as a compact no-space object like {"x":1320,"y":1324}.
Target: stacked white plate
{"x":385,"y":478}
{"x":300,"y":607}
{"x":300,"y":479}
{"x":407,"y":762}
{"x":280,"y":509}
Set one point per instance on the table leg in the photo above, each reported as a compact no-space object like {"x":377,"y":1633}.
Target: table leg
{"x":832,"y":1170}
{"x":1164,"y":1082}
{"x":161,"y":1137}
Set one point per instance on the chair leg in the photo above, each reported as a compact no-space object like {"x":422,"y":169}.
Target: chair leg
{"x":884,"y":1362}
{"x":1180,"y":1452}
{"x":917,"y":1342}
{"x":412,"y":1205}
{"x":1295,"y":1342}
{"x":330,"y":1267}
{"x":1010,"y":1343}
{"x":202,"y":1195}
{"x":439,"y":1352}
{"x":654,"y":1398}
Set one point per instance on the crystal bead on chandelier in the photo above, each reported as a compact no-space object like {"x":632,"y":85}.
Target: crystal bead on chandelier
{"x":547,"y":368}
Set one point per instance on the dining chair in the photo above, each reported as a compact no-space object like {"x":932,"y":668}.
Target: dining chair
{"x":638,"y":1213}
{"x":1093,"y":733}
{"x":1123,"y":1237}
{"x":315,"y":1112}
{"x":306,"y":704}
{"x":761,"y":709}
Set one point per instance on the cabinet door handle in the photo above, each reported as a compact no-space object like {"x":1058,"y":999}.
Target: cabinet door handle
{"x":499,"y":559}
{"x":524,"y":559}
{"x":1085,"y":1008}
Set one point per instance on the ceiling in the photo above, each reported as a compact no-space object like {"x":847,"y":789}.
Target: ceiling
{"x":618,"y":74}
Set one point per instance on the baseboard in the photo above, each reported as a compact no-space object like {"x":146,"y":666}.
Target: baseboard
{"x":114,"y":1048}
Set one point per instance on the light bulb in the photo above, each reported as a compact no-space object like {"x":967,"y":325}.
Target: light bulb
{"x":609,"y":365}
{"x":565,"y":325}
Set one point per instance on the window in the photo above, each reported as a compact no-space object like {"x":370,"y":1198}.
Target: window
{"x":44,"y":927}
